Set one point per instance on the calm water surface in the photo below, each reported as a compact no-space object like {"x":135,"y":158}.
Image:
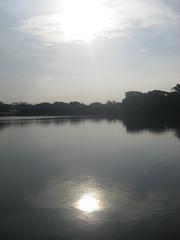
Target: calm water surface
{"x":73,"y":179}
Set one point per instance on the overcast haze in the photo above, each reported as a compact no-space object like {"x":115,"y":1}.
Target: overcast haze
{"x":87,"y":50}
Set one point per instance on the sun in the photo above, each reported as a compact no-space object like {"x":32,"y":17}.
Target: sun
{"x":83,"y":20}
{"x":88,"y":204}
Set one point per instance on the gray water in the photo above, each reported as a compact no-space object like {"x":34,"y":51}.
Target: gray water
{"x":76,"y":179}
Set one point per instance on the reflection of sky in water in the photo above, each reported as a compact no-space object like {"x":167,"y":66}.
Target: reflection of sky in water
{"x":133,"y":188}
{"x":86,"y":196}
{"x":88,"y":203}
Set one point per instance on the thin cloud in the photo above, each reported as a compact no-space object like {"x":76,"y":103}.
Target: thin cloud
{"x":124,"y":17}
{"x":143,"y":50}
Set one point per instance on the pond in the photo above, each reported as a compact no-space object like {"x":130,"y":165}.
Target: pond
{"x":75,"y":178}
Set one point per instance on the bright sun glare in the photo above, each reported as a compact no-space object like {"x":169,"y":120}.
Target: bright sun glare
{"x":88,"y":204}
{"x":84,"y":20}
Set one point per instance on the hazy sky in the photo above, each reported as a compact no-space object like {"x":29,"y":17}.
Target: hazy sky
{"x":87,"y":50}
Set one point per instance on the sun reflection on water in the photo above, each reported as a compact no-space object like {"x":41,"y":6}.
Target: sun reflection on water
{"x":88,"y":203}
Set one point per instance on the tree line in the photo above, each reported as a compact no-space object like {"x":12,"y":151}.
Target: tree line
{"x":154,"y":104}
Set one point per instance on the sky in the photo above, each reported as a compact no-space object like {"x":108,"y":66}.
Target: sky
{"x":87,"y":50}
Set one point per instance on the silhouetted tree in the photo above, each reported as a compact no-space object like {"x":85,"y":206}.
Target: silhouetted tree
{"x":150,"y":106}
{"x":176,"y":88}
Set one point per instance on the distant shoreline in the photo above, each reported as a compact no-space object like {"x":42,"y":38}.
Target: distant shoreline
{"x":150,"y":106}
{"x":48,"y":117}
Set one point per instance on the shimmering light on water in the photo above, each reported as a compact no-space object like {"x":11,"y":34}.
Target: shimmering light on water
{"x":88,"y":203}
{"x":88,"y":179}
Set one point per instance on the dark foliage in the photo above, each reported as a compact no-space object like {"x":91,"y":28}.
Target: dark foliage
{"x":137,"y":106}
{"x":152,"y":105}
{"x":62,"y":109}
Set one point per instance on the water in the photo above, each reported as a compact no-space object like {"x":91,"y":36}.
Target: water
{"x":64,"y":179}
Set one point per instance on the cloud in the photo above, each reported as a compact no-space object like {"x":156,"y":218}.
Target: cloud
{"x":143,"y":50}
{"x":112,"y":19}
